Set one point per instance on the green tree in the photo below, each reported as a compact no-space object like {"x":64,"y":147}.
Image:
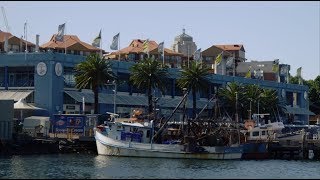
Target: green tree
{"x":149,"y":74}
{"x":228,"y":95}
{"x":251,"y":96}
{"x":194,"y":78}
{"x":314,"y":95}
{"x":267,"y":99}
{"x":271,"y":103}
{"x":93,"y":73}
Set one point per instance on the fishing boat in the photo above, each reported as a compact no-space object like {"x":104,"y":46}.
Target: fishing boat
{"x":135,"y":137}
{"x":258,"y":132}
{"x":260,"y":128}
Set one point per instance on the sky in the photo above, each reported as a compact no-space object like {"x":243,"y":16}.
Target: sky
{"x":288,"y":31}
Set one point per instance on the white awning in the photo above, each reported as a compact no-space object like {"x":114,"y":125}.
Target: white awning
{"x":15,"y":94}
{"x":22,"y":104}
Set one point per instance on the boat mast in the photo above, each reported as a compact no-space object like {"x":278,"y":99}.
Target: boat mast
{"x":165,"y":123}
{"x":184,"y":114}
{"x":237,"y":118}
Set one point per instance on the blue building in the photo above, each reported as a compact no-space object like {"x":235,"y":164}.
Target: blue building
{"x":47,"y":80}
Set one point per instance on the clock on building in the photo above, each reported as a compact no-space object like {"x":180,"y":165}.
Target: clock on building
{"x":41,"y":68}
{"x":58,"y":69}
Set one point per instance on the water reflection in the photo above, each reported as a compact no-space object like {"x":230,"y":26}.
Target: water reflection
{"x":79,"y":166}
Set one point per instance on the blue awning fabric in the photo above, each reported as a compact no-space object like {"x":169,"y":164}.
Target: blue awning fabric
{"x":296,"y":110}
{"x":133,"y":100}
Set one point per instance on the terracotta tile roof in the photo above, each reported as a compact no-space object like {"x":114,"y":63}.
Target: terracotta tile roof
{"x":4,"y":34}
{"x":214,"y":51}
{"x":231,"y":47}
{"x":136,"y":47}
{"x":72,"y":42}
{"x":166,"y":52}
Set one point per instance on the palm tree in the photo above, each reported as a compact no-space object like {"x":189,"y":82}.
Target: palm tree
{"x":93,"y":73}
{"x":267,"y":99}
{"x":194,"y":78}
{"x":147,"y":75}
{"x":228,"y":96}
{"x":251,"y":97}
{"x":270,"y":101}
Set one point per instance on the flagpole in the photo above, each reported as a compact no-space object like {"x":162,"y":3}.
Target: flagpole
{"x":163,"y":54}
{"x":25,"y":53}
{"x":101,"y":44}
{"x":188,"y":55}
{"x":234,"y":66}
{"x":26,"y":37}
{"x":119,"y":46}
{"x":64,"y":39}
{"x":21,"y":41}
{"x":287,"y":69}
{"x":148,"y":49}
{"x":215,"y":67}
{"x":278,"y":72}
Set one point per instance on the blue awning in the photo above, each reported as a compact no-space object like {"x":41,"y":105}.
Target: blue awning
{"x":105,"y":98}
{"x":296,"y":110}
{"x":133,"y":100}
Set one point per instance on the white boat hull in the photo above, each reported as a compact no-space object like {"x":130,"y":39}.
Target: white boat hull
{"x":112,"y":147}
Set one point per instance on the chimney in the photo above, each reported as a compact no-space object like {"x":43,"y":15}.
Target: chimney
{"x":37,"y":43}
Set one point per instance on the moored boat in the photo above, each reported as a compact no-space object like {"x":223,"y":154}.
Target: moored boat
{"x":134,"y":139}
{"x":258,"y":132}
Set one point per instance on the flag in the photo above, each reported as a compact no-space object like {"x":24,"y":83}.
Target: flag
{"x":283,"y":70}
{"x":160,"y":47}
{"x":248,"y":74}
{"x":59,"y":36}
{"x":229,"y":62}
{"x":197,"y":54}
{"x":145,"y":46}
{"x":114,"y":44}
{"x":96,"y":41}
{"x":299,"y":72}
{"x":275,"y":68}
{"x":219,"y":58}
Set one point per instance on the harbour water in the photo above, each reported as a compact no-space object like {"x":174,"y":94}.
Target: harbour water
{"x":76,"y":166}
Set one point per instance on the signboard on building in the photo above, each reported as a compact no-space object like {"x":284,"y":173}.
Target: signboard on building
{"x":63,"y":122}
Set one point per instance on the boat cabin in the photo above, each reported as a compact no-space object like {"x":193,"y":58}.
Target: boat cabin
{"x":130,"y":131}
{"x":261,"y":128}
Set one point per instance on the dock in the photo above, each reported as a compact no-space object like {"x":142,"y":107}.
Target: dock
{"x":295,"y":147}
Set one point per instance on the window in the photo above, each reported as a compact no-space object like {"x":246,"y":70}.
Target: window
{"x":263,"y":133}
{"x":256,"y":133}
